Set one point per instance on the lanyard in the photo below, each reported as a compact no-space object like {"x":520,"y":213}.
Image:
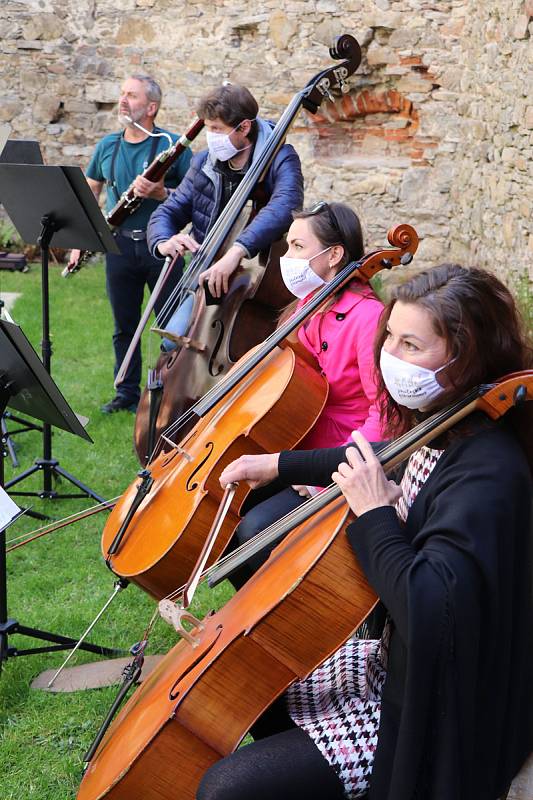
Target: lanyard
{"x":111,"y":183}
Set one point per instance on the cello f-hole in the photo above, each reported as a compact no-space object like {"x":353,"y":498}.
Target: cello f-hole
{"x":172,"y":694}
{"x":172,"y":357}
{"x":192,"y":486}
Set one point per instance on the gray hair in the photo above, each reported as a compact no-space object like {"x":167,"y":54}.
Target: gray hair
{"x":153,"y":89}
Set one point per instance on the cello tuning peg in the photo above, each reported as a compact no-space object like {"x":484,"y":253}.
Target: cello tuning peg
{"x":406,"y":259}
{"x":341,"y":73}
{"x":386,"y":263}
{"x":520,"y":394}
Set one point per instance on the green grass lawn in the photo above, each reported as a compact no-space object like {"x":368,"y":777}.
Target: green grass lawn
{"x":60,"y":582}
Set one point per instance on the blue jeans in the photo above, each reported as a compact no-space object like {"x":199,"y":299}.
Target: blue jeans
{"x":126,"y":277}
{"x":179,"y":322}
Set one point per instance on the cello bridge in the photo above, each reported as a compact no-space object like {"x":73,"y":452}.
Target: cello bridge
{"x":177,"y":617}
{"x":177,"y":447}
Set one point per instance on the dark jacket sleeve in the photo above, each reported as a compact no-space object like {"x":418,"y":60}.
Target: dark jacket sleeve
{"x":285,"y":183}
{"x":469,"y":504}
{"x":314,"y":467}
{"x":172,"y":215}
{"x":310,"y":467}
{"x":454,"y":578}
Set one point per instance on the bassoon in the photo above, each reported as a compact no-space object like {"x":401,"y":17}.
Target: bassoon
{"x":129,"y":201}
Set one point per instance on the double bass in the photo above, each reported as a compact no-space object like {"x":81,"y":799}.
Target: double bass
{"x":269,"y":401}
{"x":221,"y":332}
{"x":299,"y":608}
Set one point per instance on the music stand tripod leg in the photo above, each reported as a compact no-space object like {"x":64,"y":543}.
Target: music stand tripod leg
{"x":47,"y":464}
{"x":9,"y":626}
{"x":8,"y":444}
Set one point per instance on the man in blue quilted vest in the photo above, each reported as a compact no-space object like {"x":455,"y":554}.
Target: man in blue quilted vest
{"x":235,"y":137}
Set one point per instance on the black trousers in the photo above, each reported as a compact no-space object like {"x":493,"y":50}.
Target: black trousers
{"x":282,"y":763}
{"x":263,"y":507}
{"x":126,"y":276}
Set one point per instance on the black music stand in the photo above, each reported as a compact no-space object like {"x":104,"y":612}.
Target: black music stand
{"x":17,"y":151}
{"x":21,"y":151}
{"x":26,"y":386}
{"x":45,"y":202}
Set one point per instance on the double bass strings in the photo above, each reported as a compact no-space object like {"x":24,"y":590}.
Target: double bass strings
{"x":217,"y":392}
{"x":211,"y":244}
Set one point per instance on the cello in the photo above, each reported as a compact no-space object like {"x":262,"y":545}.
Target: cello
{"x":269,"y":401}
{"x":221,"y":332}
{"x":301,"y":605}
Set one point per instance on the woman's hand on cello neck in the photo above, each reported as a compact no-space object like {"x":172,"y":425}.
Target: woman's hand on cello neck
{"x":362,"y":480}
{"x":255,"y":470}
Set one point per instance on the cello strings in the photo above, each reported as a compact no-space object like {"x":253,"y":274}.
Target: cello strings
{"x":216,"y":392}
{"x":387,"y":453}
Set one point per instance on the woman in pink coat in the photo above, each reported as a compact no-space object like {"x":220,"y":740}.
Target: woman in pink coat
{"x":341,"y":338}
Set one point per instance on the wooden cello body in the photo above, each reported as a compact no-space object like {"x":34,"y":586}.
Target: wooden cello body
{"x":219,"y":333}
{"x":275,"y":406}
{"x":292,"y":614}
{"x":308,"y":599}
{"x":273,"y":400}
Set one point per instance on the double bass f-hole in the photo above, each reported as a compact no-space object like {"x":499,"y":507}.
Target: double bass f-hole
{"x":214,"y":368}
{"x":191,"y":487}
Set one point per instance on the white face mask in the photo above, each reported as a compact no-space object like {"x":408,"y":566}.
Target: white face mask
{"x":411,"y":386}
{"x":298,"y":275}
{"x":220,"y":146}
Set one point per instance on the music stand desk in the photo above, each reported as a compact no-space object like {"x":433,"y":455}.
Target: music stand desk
{"x":45,"y":203}
{"x":26,"y":386}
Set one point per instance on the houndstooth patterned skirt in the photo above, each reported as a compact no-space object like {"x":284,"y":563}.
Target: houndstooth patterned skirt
{"x":339,"y":705}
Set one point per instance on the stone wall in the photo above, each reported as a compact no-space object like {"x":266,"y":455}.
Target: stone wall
{"x":437,"y":129}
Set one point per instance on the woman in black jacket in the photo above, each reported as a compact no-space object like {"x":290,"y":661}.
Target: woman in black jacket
{"x":440,"y":708}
